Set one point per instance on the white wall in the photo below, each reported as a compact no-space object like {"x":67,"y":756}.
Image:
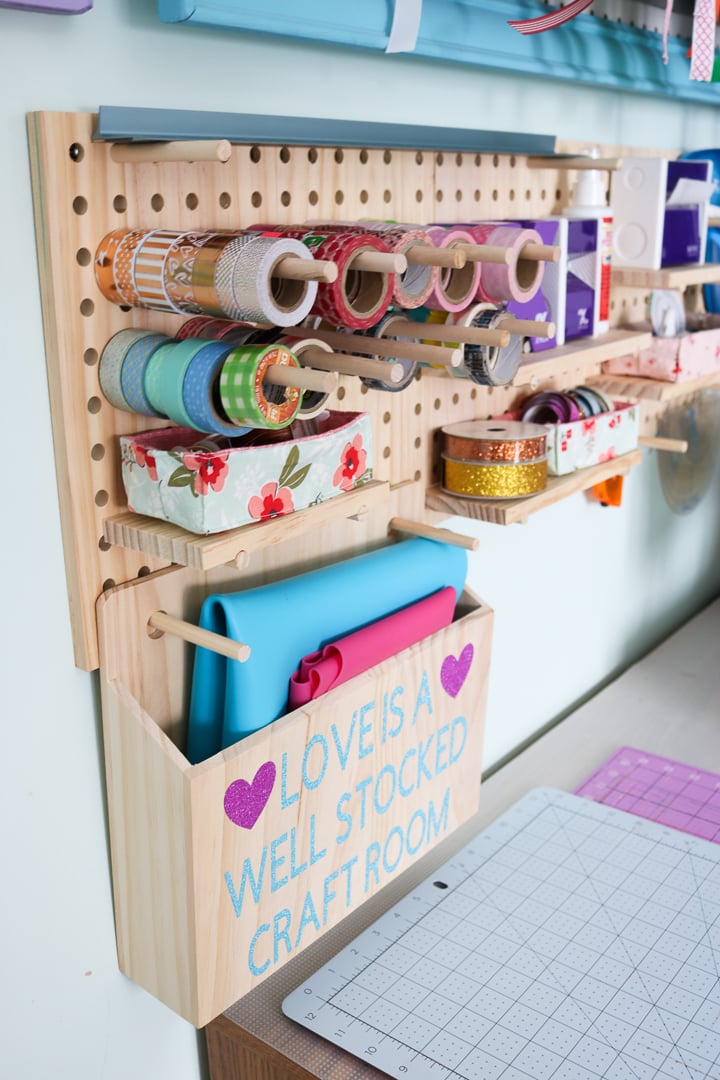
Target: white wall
{"x":578,"y":591}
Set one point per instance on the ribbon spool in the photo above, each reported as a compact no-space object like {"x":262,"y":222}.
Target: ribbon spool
{"x":518,"y":280}
{"x":495,"y":441}
{"x":312,"y":402}
{"x":229,"y":274}
{"x":384,"y":329}
{"x":246,"y":400}
{"x":490,"y":365}
{"x":453,"y":289}
{"x":475,"y":480}
{"x":358,"y":298}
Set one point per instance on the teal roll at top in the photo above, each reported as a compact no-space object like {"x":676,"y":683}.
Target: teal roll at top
{"x":286,"y":620}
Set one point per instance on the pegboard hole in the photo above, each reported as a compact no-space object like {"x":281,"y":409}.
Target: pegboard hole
{"x":143,"y":571}
{"x":456,"y":399}
{"x":340,"y":393}
{"x":438,"y":196}
{"x":511,"y":193}
{"x":101,"y":498}
{"x":364,"y":196}
{"x":94,"y":405}
{"x":418,"y":442}
{"x":458,"y":195}
{"x":120,"y":204}
{"x":256,"y":199}
{"x":418,"y":408}
{"x":386,"y":452}
{"x":439,"y":158}
{"x":528,"y":194}
{"x":437,"y":403}
{"x":496,"y":160}
{"x":255,"y":154}
{"x":80,"y":204}
{"x":543,"y":194}
{"x":191,"y":201}
{"x":98,"y":452}
{"x":387,"y":196}
{"x":495,"y":194}
{"x":476,"y":194}
{"x":284,"y":155}
{"x":312,"y":155}
{"x":157,"y":202}
{"x":225,"y":200}
{"x":76,"y":152}
{"x":386,"y":417}
{"x":558,"y":194}
{"x":478,"y":160}
{"x":417,"y":475}
{"x":313,"y":198}
{"x":339,"y":198}
{"x":339,"y":156}
{"x":104,"y":544}
{"x":83,"y":257}
{"x":513,"y":161}
{"x":458,"y":160}
{"x":387,"y":157}
{"x":90,"y":356}
{"x":364,"y":157}
{"x":285,"y":198}
{"x":419,"y":157}
{"x":87,"y":307}
{"x":473,"y":394}
{"x":418,"y":196}
{"x":108,"y":583}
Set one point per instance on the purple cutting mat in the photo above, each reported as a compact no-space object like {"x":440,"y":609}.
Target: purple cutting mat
{"x":658,"y":789}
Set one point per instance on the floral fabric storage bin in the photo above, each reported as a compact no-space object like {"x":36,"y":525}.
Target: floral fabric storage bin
{"x":674,"y":359}
{"x":593,"y":440}
{"x":207,"y":484}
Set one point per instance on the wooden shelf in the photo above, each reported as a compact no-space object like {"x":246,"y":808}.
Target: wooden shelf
{"x":637,"y":388}
{"x":513,"y":511}
{"x":586,"y":352}
{"x":670,"y":277}
{"x":164,"y":540}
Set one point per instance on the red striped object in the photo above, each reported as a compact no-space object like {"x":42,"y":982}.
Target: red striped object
{"x":554,"y":18}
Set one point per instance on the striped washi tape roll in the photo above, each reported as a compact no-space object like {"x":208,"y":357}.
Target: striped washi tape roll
{"x":113,"y":266}
{"x":247,"y":287}
{"x":134,"y":367}
{"x":246,"y":399}
{"x":201,"y":390}
{"x":312,"y":402}
{"x":384,"y":329}
{"x":165,"y":377}
{"x":489,"y":365}
{"x":454,"y":289}
{"x":111,"y":364}
{"x":149,"y":269}
{"x":518,"y":280}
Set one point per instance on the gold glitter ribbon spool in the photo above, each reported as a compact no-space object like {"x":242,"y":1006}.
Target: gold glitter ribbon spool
{"x":482,"y":481}
{"x":507,"y":441}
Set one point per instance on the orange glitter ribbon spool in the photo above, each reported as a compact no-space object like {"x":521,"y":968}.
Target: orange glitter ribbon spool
{"x":495,"y":441}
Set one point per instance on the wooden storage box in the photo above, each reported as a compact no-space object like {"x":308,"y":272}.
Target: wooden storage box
{"x":224,"y":870}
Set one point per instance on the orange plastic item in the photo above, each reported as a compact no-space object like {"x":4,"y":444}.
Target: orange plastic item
{"x":609,"y":492}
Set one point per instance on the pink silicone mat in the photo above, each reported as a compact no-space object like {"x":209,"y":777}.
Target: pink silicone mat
{"x":658,"y":789}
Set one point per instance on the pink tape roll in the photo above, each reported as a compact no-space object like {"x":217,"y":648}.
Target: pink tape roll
{"x":453,"y":289}
{"x":519,"y":280}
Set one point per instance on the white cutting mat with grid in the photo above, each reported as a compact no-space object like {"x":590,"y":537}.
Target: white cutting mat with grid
{"x":568,"y":940}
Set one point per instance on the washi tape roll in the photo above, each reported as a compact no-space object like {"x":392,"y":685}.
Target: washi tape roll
{"x":248,"y":288}
{"x":490,"y":365}
{"x":114,"y":261}
{"x":384,"y":330}
{"x":111,"y":363}
{"x":475,"y":480}
{"x":520,"y":279}
{"x":201,"y":390}
{"x":495,"y":441}
{"x":245,"y":398}
{"x":165,"y":376}
{"x":312,"y":402}
{"x":358,"y":298}
{"x":453,"y":289}
{"x":133,"y":372}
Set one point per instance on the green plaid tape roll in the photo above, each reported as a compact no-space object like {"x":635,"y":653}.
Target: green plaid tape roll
{"x":246,"y":399}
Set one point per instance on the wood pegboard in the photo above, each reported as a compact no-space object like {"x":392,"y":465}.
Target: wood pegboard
{"x":80,"y":194}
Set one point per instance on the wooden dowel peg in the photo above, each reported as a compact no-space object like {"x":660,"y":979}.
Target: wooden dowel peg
{"x":352,"y":365}
{"x":657,"y":442}
{"x":487,"y":253}
{"x":454,"y":258}
{"x":189,"y":150}
{"x":396,"y":350}
{"x":379,"y":262}
{"x":531,"y":327}
{"x":446,"y":332}
{"x":430,"y":532}
{"x":303,"y":377}
{"x":294,"y":269}
{"x":540,"y":252}
{"x":573,"y":162}
{"x":195,"y":635}
{"x":714,"y":223}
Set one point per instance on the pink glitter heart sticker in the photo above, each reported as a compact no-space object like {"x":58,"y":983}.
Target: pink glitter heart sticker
{"x":453,"y":672}
{"x":245,"y":801}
